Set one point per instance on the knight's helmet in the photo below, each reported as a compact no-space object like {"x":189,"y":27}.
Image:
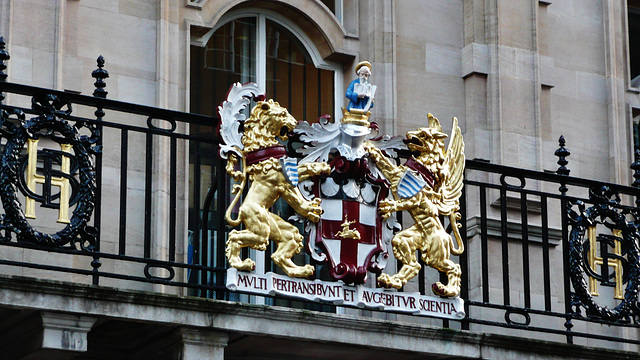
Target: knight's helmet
{"x":435,"y":130}
{"x":356,"y":117}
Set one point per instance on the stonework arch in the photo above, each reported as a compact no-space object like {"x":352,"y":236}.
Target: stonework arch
{"x":311,"y":16}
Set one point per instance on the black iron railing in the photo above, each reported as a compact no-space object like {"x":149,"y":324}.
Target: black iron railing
{"x":125,"y":143}
{"x":523,"y":224}
{"x":152,"y":215}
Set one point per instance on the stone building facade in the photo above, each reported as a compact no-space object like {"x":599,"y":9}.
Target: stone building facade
{"x":516,"y":73}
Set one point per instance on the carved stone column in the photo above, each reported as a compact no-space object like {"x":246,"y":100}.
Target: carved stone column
{"x":65,"y":331}
{"x":203,"y":344}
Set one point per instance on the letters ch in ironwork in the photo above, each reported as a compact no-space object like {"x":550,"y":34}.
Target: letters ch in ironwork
{"x":32,"y":178}
{"x":613,"y":262}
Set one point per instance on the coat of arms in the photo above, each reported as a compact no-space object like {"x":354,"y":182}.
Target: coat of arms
{"x":345,"y":182}
{"x":351,"y":236}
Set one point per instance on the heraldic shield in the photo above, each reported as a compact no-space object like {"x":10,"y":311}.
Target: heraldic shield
{"x":349,"y":236}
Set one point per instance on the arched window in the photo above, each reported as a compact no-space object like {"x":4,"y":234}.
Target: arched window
{"x":275,"y":54}
{"x":249,"y":46}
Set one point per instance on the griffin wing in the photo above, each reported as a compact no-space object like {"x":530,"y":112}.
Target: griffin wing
{"x":454,"y":165}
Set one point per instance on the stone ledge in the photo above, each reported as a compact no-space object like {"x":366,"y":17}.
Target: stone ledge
{"x":103,"y":302}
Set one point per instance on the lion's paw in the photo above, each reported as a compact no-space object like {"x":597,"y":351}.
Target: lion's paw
{"x":442,"y":290}
{"x":386,"y":281}
{"x":302,"y":271}
{"x":324,"y":169}
{"x":261,"y":246}
{"x":387,"y":206}
{"x":244,"y":265}
{"x":314,"y":210}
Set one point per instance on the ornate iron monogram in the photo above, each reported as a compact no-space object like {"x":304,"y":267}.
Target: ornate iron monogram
{"x":594,"y":254}
{"x":77,"y":151}
{"x":49,"y":176}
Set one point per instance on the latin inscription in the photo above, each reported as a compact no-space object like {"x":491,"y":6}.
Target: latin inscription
{"x":340,"y":294}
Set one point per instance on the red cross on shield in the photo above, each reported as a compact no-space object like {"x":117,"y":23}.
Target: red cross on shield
{"x":349,"y":233}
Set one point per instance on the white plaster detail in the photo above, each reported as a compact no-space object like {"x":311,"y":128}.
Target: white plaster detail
{"x":334,"y":249}
{"x":368,"y":215}
{"x":368,"y":194}
{"x":332,"y":210}
{"x":231,"y":114}
{"x":351,"y":189}
{"x":363,"y":251}
{"x":329,"y":187}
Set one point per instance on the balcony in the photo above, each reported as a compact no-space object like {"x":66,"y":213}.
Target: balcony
{"x":147,"y":195}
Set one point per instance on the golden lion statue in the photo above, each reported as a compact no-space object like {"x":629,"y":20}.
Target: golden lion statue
{"x":428,"y":185}
{"x":260,"y":158}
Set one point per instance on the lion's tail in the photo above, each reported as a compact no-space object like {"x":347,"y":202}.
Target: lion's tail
{"x":454,"y":216}
{"x":237,"y":189}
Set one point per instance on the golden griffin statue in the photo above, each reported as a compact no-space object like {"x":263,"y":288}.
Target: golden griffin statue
{"x":263,"y":163}
{"x":428,"y":185}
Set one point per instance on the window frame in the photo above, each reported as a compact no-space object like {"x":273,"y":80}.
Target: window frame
{"x":262,"y":16}
{"x":635,"y":4}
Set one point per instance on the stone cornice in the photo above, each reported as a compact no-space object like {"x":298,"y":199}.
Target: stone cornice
{"x":40,"y":295}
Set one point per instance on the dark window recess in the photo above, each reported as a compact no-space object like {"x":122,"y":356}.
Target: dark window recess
{"x":230,"y":55}
{"x":634,"y":42}
{"x":635,"y":113}
{"x":293,"y":80}
{"x":331,"y":4}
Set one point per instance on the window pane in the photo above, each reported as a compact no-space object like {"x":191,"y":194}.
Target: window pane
{"x":635,"y":114}
{"x":634,"y":43}
{"x":293,"y":80}
{"x":228,"y":57}
{"x":331,"y":4}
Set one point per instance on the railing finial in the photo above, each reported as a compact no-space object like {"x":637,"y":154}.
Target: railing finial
{"x":4,"y":55}
{"x":635,"y":166}
{"x":562,"y":153}
{"x":100,"y":74}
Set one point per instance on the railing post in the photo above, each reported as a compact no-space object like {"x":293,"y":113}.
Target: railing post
{"x":562,"y":153}
{"x":4,"y":56}
{"x":220,"y":222}
{"x":635,"y":166}
{"x":99,"y":74}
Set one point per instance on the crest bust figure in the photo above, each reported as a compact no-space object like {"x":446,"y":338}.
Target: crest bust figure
{"x":360,"y":92}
